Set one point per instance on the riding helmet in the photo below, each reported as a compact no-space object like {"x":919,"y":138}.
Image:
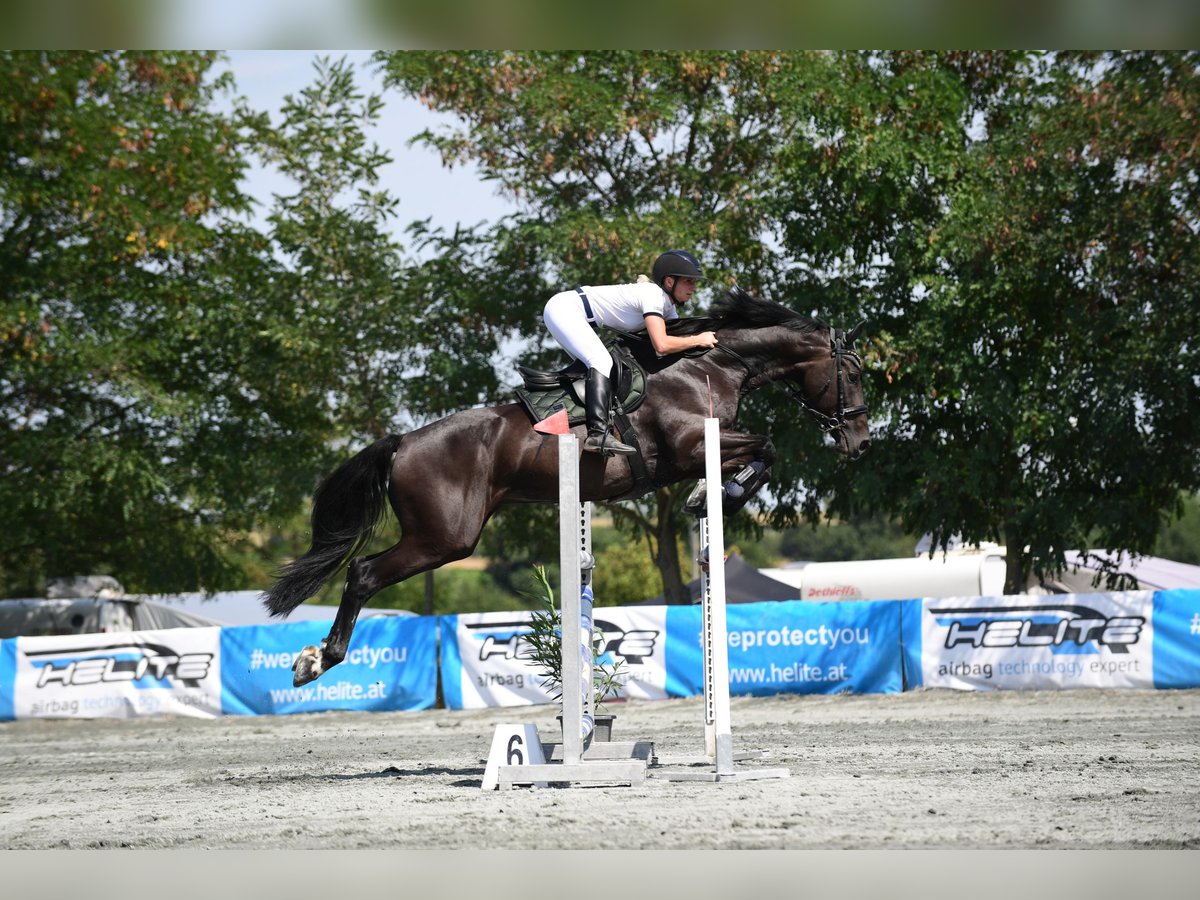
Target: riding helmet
{"x":678,"y":263}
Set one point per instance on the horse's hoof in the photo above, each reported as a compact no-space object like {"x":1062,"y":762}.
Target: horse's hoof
{"x":308,"y":666}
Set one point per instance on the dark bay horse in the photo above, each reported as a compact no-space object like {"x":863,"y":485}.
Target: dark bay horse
{"x":444,"y":481}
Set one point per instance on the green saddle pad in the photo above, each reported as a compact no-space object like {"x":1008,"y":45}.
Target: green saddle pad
{"x":542,"y":401}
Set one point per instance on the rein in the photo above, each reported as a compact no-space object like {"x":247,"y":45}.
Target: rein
{"x":825,"y":422}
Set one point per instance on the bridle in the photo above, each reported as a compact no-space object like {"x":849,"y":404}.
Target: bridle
{"x":838,"y":351}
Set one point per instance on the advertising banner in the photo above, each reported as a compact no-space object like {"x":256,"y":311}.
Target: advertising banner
{"x":792,"y":647}
{"x":1137,"y":639}
{"x":1176,"y":639}
{"x":636,"y":638}
{"x":1030,"y":642}
{"x":481,"y":662}
{"x":8,"y":671}
{"x":118,"y":675}
{"x":485,"y":661}
{"x":391,"y":665}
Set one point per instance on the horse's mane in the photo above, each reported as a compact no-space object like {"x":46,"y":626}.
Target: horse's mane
{"x":738,"y":309}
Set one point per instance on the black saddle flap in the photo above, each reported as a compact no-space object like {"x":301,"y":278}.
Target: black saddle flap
{"x":541,"y":380}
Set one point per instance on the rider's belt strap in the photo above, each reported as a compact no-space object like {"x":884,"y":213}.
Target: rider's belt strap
{"x":587,"y":307}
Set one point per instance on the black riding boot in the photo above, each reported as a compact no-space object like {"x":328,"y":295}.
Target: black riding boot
{"x":597,"y":402}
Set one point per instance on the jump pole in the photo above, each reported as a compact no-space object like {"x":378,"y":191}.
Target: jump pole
{"x":613,"y":762}
{"x":718,"y":727}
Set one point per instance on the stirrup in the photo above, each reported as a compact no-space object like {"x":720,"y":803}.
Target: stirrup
{"x":603,"y":442}
{"x":697,"y":502}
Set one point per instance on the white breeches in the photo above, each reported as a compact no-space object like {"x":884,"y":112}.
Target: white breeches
{"x":566,"y":320}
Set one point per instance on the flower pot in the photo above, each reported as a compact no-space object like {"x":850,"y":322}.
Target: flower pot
{"x":604,"y":727}
{"x":601,"y":731}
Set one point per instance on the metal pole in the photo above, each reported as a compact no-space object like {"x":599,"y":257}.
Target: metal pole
{"x":571,"y":586}
{"x":715,"y":600}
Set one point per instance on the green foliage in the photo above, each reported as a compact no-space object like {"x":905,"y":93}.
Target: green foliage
{"x":542,"y":647}
{"x":863,"y":537}
{"x":454,"y":591}
{"x":1021,"y":231}
{"x":515,"y":539}
{"x":625,"y":574}
{"x":1020,"y":228}
{"x":137,"y":391}
{"x":174,"y":383}
{"x":1180,"y":539}
{"x":388,"y":341}
{"x":618,"y":154}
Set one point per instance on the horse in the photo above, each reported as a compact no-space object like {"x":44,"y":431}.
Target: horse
{"x":445,"y":480}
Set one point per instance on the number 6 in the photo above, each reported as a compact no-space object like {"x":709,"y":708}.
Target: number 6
{"x":515,"y":746}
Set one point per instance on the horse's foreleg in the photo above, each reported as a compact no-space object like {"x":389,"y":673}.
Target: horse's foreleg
{"x":738,"y":450}
{"x":749,"y":474}
{"x":745,"y":467}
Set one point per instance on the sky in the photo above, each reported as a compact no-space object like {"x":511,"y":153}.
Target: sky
{"x":416,"y":175}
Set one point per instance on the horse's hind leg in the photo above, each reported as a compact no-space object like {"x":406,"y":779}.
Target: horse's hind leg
{"x":366,"y":576}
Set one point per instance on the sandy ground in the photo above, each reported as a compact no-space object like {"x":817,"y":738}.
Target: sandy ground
{"x":1074,"y":769}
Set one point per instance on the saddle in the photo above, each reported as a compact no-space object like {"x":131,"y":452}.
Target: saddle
{"x":544,"y":393}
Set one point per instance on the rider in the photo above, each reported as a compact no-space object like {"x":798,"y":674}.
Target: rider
{"x":571,"y":315}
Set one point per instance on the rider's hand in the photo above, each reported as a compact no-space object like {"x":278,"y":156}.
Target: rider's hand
{"x":706,"y":339}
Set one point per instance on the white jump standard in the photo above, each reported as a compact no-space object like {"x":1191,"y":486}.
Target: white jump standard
{"x":718,"y":729}
{"x":607,"y":762}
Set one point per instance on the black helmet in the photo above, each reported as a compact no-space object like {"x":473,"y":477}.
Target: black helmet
{"x":679,"y":263}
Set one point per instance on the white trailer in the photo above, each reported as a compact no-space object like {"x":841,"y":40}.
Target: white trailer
{"x":961,"y":574}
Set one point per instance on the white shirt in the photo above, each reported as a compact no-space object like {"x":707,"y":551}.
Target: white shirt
{"x":624,"y":306}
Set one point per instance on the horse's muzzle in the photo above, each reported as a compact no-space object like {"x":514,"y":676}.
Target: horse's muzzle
{"x":855,"y":451}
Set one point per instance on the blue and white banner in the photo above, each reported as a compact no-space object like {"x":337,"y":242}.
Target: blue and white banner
{"x":773,"y":648}
{"x":1177,"y":639}
{"x":485,"y":659}
{"x":118,"y":675}
{"x":8,"y":674}
{"x":635,"y":637}
{"x":481,"y":664}
{"x":391,"y":665}
{"x":1034,"y":642}
{"x":792,"y":647}
{"x":1137,"y":639}
{"x":207,"y":672}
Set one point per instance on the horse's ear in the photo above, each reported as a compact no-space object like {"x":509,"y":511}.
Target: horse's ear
{"x":852,"y":334}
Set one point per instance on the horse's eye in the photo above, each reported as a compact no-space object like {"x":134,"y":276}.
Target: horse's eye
{"x":853,"y":377}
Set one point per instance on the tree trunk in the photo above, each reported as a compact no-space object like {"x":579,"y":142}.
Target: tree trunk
{"x":1016,"y":573}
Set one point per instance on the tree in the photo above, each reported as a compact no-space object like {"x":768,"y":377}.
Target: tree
{"x":392,"y":340}
{"x":616,"y":156}
{"x":137,"y":389}
{"x":1023,"y":229}
{"x":1020,"y":228}
{"x":178,"y":380}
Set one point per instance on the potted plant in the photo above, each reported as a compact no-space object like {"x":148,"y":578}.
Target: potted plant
{"x":544,"y":652}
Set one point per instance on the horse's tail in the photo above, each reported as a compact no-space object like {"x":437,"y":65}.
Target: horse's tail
{"x":346,"y":509}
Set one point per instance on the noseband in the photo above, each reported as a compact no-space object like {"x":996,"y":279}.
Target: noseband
{"x":838,"y":351}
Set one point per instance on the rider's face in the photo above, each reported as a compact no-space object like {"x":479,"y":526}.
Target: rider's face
{"x":683,"y":289}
